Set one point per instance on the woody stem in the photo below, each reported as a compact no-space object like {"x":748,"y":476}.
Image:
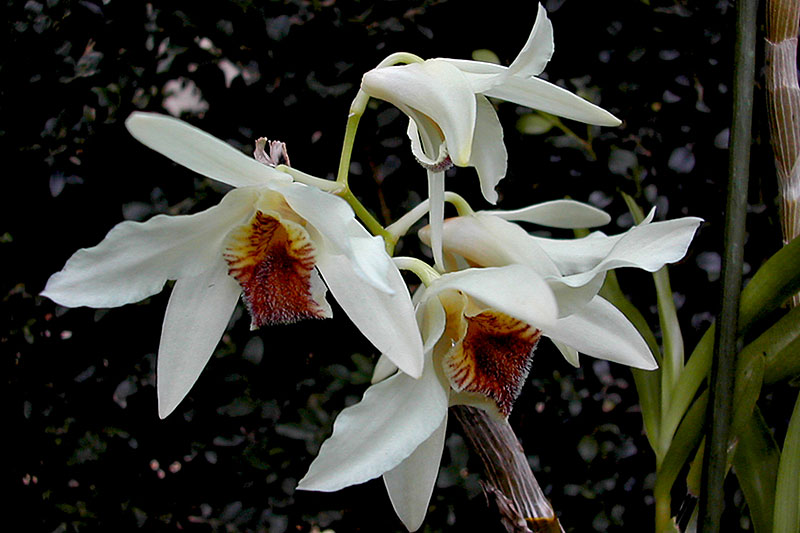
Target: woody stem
{"x":509,"y":480}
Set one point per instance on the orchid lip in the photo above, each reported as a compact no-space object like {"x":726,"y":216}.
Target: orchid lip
{"x":274,"y":262}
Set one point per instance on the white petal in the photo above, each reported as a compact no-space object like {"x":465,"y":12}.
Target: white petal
{"x":432,"y":319}
{"x":383,"y":369}
{"x":197,"y":314}
{"x":482,"y":76}
{"x":489,"y":155}
{"x":537,"y":50}
{"x":516,"y":290}
{"x":600,"y":330}
{"x":566,"y":214}
{"x":544,"y":96}
{"x":569,"y":353}
{"x":486,"y":240}
{"x":436,"y":89}
{"x":427,"y":143}
{"x":646,"y":246}
{"x":135,"y":259}
{"x":387,"y":320}
{"x":570,"y":299}
{"x":333,"y":219}
{"x":410,"y":484}
{"x":378,"y":433}
{"x":196,"y":150}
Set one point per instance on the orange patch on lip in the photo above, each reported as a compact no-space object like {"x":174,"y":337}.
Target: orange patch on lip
{"x":493,"y":358}
{"x":273,"y":261}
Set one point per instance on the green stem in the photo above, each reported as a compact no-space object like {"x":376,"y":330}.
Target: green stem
{"x":426,"y":273}
{"x":353,"y":118}
{"x":366,"y":217}
{"x":341,"y":186}
{"x":723,"y":365}
{"x":357,"y":108}
{"x":402,"y":225}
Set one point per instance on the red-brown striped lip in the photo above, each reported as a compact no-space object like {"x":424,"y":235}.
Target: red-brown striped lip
{"x":273,"y":260}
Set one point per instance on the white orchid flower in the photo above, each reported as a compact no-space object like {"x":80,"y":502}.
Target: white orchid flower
{"x":270,"y":239}
{"x":480,"y":326}
{"x":498,"y":311}
{"x":573,"y":268}
{"x":452,"y":120}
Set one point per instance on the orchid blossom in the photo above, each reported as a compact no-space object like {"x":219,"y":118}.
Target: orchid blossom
{"x":271,"y":240}
{"x":505,"y":306}
{"x":452,"y":121}
{"x":480,"y":326}
{"x":573,"y":268}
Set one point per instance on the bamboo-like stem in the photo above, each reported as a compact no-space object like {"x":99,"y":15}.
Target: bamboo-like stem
{"x":723,"y":366}
{"x":509,"y":480}
{"x":783,"y":109}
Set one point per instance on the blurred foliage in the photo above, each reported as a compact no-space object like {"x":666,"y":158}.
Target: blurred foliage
{"x":88,"y":450}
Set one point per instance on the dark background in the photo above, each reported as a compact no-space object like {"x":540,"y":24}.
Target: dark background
{"x":88,"y":450}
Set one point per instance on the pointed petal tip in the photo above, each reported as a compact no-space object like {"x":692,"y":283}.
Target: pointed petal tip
{"x":650,"y":365}
{"x":304,"y":484}
{"x":164,"y":409}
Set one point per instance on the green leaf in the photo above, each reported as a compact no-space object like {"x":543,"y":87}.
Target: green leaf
{"x":787,"y":490}
{"x":756,"y":464}
{"x":648,"y":382}
{"x":667,"y":316}
{"x":671,"y":364}
{"x":687,"y":437}
{"x":774,"y":283}
{"x":781,"y":347}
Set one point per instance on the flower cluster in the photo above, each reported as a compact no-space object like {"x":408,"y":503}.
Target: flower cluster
{"x":281,"y":239}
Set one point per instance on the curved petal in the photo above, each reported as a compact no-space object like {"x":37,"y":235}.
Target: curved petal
{"x":489,"y":155}
{"x":516,"y":290}
{"x":410,"y":484}
{"x":538,"y":50}
{"x":383,"y":369}
{"x":387,"y":320}
{"x":427,"y":143}
{"x":569,"y":353}
{"x":333,"y":219}
{"x":196,"y":150}
{"x":646,"y":246}
{"x":566,"y":214}
{"x":570,"y":299}
{"x":198,"y":312}
{"x":482,"y":76}
{"x":378,"y":433}
{"x":544,"y":96}
{"x":600,"y":330}
{"x":436,"y":89}
{"x":485,"y":240}
{"x":432,"y":319}
{"x":136,"y":258}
